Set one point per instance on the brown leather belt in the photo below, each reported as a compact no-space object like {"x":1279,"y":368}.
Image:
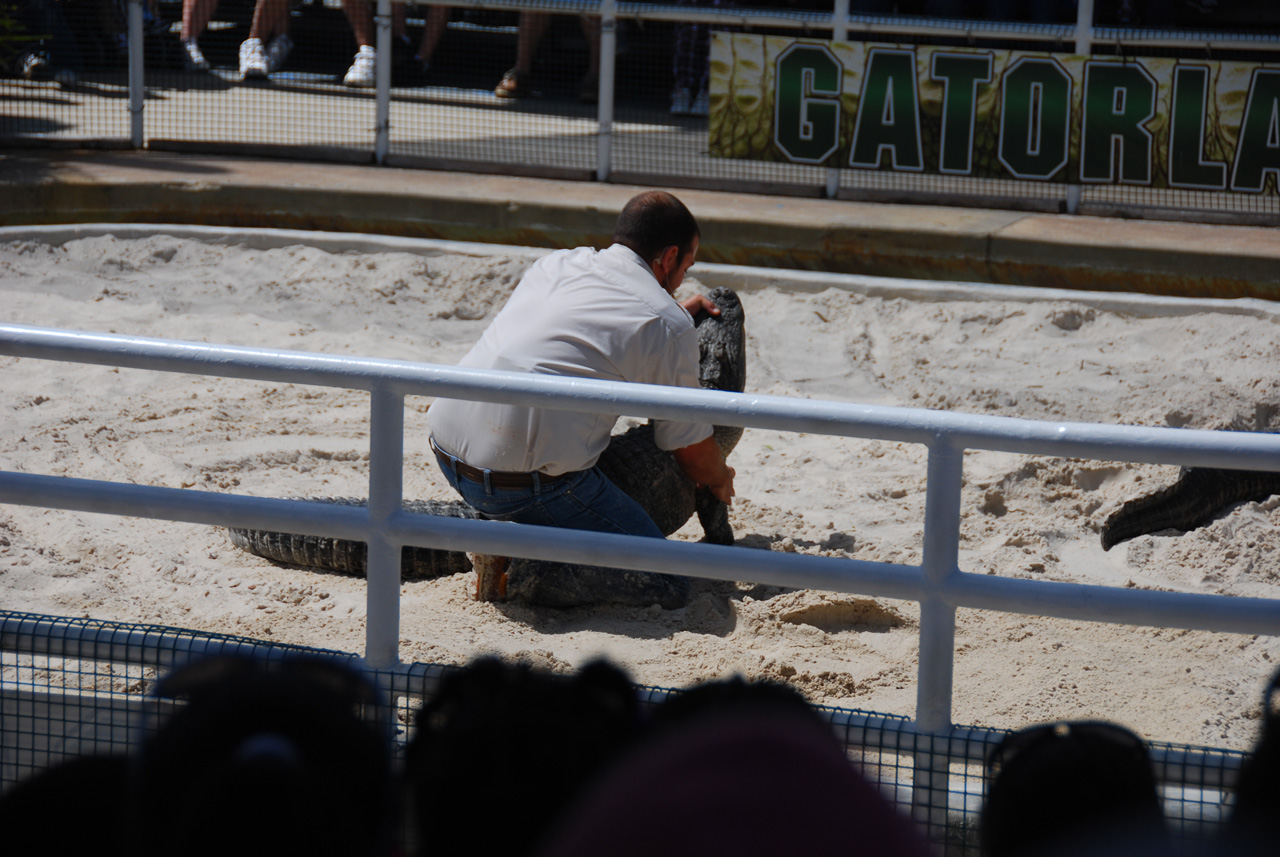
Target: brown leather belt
{"x":496,"y":478}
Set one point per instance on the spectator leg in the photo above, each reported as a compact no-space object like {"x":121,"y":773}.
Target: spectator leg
{"x":195,"y":17}
{"x":434,"y":29}
{"x":360,"y":16}
{"x":270,"y":18}
{"x":533,"y":26}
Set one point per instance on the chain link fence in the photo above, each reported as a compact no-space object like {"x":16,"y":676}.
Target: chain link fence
{"x":78,"y":687}
{"x":514,"y":86}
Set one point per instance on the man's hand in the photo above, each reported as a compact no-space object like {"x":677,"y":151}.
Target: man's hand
{"x":703,"y":463}
{"x":700,"y":303}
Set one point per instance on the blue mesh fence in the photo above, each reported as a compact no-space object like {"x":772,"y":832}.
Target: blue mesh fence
{"x":71,"y":687}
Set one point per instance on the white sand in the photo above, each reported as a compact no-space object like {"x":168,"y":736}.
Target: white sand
{"x":1023,"y":517}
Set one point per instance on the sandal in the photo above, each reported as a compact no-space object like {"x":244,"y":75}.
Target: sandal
{"x":589,"y":88}
{"x":512,"y":85}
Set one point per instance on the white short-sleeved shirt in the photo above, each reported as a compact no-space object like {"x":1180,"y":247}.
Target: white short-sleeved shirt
{"x":582,"y":313}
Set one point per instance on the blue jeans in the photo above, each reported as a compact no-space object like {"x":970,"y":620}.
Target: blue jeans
{"x":585,"y":500}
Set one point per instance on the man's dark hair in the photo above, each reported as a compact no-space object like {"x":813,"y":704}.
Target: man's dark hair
{"x":653,"y":221}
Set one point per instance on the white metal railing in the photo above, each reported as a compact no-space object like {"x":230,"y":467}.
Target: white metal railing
{"x":937,"y":583}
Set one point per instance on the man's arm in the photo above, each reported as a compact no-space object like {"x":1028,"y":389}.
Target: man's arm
{"x":703,"y":463}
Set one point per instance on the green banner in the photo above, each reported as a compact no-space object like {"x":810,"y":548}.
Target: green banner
{"x":1193,"y":124}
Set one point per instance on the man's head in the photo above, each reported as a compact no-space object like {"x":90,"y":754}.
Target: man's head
{"x":664,"y":233}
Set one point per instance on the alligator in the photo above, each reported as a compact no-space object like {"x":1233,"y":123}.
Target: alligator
{"x":1194,"y":500}
{"x":632,"y":461}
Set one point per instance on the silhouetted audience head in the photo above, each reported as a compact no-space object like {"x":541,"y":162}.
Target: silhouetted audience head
{"x":76,"y":807}
{"x":1252,"y":825}
{"x":733,"y":767}
{"x":501,"y":749}
{"x":1071,"y":788}
{"x":266,"y":758}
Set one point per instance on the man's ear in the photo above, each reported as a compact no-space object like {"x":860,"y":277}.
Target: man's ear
{"x":670,"y":258}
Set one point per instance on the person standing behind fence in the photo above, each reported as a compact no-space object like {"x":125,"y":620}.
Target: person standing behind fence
{"x":690,"y":63}
{"x":57,"y":55}
{"x":195,"y":17}
{"x":360,"y":16}
{"x":269,"y":43}
{"x":516,"y":82}
{"x":611,"y":315}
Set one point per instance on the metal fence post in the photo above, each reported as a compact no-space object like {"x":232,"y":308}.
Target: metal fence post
{"x":1084,"y":27}
{"x":382,"y":81}
{"x":386,"y":484}
{"x":604,"y":110}
{"x":1084,"y":44}
{"x":839,"y":32}
{"x":931,"y":767}
{"x":137,"y":82}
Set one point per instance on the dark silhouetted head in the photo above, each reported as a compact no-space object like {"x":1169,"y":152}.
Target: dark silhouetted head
{"x":267,"y":758}
{"x":1058,"y":787}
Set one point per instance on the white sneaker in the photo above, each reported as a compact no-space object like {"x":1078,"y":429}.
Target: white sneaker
{"x":36,"y":67}
{"x":680,"y":100}
{"x":278,"y":51}
{"x":195,"y":59}
{"x":253,"y":60}
{"x":701,"y":105}
{"x":361,"y":72}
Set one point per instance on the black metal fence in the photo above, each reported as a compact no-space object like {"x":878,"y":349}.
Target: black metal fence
{"x":76,"y":687}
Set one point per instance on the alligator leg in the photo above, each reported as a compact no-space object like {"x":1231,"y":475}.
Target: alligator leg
{"x":552,"y":584}
{"x":714,"y":517}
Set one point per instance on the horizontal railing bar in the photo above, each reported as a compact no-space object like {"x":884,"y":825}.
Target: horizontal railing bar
{"x":694,"y":559}
{"x":1195,"y":447}
{"x":1196,"y":611}
{"x":1113,"y":604}
{"x":184,"y":504}
{"x":445,"y":533}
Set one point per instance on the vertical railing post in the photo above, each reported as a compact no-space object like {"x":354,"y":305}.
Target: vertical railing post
{"x":382,"y":82}
{"x":839,"y":32}
{"x":1084,"y":27}
{"x":604,"y":102}
{"x":931,"y":775}
{"x":386,"y":484}
{"x":137,"y":80}
{"x":1084,"y":45}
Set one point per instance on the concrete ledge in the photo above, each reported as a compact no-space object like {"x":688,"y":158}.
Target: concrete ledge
{"x":1192,"y":260}
{"x":924,"y":242}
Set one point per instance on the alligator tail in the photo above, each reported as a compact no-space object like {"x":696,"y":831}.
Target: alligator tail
{"x":351,"y":557}
{"x":1193,"y":501}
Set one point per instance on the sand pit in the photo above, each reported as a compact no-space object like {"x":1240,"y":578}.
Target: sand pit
{"x":1061,"y":359}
